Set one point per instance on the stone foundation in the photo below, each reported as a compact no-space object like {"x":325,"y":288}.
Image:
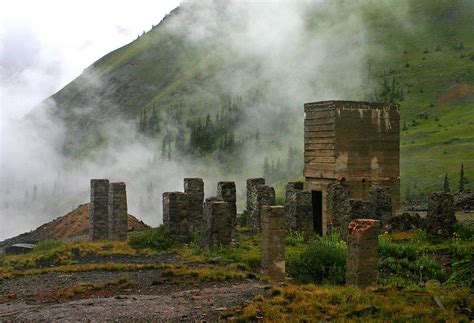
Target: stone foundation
{"x":273,"y":242}
{"x":227,"y":192}
{"x":194,"y":187}
{"x":299,"y":209}
{"x":175,"y":215}
{"x":118,"y":218}
{"x":362,"y":252}
{"x":99,"y":210}
{"x":217,"y":230}
{"x":440,"y":219}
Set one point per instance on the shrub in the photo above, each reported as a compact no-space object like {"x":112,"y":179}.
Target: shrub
{"x":294,"y":238}
{"x":464,"y":232}
{"x":322,"y":261}
{"x":157,"y":239}
{"x":47,"y":245}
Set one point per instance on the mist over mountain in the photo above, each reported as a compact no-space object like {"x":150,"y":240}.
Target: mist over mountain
{"x":216,"y":90}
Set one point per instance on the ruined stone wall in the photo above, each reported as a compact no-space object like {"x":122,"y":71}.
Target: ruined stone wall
{"x":99,"y":209}
{"x":362,"y":252}
{"x":441,"y":218}
{"x":118,"y":214}
{"x":227,"y":192}
{"x":290,"y":204}
{"x":194,"y":187}
{"x":264,"y":196}
{"x":218,"y":225}
{"x":175,"y":214}
{"x":299,"y":209}
{"x":273,"y":242}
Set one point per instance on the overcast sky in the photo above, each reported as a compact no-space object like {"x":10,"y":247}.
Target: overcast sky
{"x":46,"y":44}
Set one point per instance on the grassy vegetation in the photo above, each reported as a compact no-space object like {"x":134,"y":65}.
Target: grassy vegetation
{"x":154,"y":239}
{"x":203,"y":274}
{"x":317,"y":303}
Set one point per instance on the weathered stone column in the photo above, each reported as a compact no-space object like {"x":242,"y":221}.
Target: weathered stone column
{"x":362,"y":252}
{"x":118,"y":214}
{"x":290,"y":204}
{"x":217,"y":231}
{"x":273,"y":242}
{"x":194,"y":187}
{"x":227,"y":192}
{"x":99,"y":210}
{"x":380,"y":204}
{"x":351,"y":209}
{"x":304,"y":213}
{"x":252,"y":184}
{"x":441,"y":216}
{"x":175,"y":215}
{"x":265,"y":196}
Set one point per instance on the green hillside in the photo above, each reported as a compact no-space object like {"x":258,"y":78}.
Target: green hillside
{"x":226,"y":95}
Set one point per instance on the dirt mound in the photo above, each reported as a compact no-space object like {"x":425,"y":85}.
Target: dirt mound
{"x":457,"y":93}
{"x":72,"y":226}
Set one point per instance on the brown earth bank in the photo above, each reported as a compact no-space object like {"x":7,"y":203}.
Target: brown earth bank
{"x":457,"y":93}
{"x":70,"y":227}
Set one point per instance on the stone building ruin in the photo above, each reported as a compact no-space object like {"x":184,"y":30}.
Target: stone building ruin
{"x":258,"y":195}
{"x":355,"y":143}
{"x":108,"y":214}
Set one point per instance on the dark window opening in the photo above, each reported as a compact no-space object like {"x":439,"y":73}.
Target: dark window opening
{"x":317,"y":200}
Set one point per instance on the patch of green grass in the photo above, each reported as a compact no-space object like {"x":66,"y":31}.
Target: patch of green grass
{"x":154,"y":239}
{"x":47,"y":245}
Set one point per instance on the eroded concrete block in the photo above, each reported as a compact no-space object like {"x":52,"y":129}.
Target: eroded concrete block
{"x":175,"y":215}
{"x":265,"y":196}
{"x":362,"y":252}
{"x":227,"y":192}
{"x":217,"y":230}
{"x":118,"y":213}
{"x":252,"y":184}
{"x":273,"y":242}
{"x":194,"y":187}
{"x":441,"y":217}
{"x":99,"y":210}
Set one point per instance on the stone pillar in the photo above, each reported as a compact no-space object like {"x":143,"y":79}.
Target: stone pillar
{"x":194,"y":187}
{"x":118,"y":214}
{"x":472,"y":273}
{"x":99,"y":210}
{"x":175,"y":215}
{"x":304,"y":213}
{"x":252,"y":184}
{"x":380,"y":204}
{"x":217,"y":230}
{"x":349,"y":210}
{"x":227,"y":192}
{"x":441,"y":217}
{"x":362,"y":252}
{"x":265,"y":196}
{"x":337,"y":194}
{"x":290,"y":204}
{"x":273,"y":242}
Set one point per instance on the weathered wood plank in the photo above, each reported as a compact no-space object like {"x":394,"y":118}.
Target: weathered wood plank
{"x":321,"y":127}
{"x":318,"y":146}
{"x":319,"y":166}
{"x":319,"y":159}
{"x":316,"y":114}
{"x":329,"y":140}
{"x":308,"y":172}
{"x":319,"y":153}
{"x":320,"y":134}
{"x":311,"y":122}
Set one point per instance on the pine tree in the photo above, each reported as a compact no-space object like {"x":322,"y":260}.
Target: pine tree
{"x":405,"y":128}
{"x":461,"y":179}
{"x":266,"y":169}
{"x":446,"y":184}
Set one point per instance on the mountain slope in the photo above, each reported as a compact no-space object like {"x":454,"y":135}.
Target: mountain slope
{"x":266,"y":61}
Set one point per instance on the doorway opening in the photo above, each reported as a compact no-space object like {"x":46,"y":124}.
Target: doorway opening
{"x":317,"y":201}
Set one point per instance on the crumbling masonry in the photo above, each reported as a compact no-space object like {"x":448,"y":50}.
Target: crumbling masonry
{"x":258,"y":195}
{"x":194,"y":188}
{"x":441,"y":218}
{"x":175,"y":215}
{"x":227,"y":192}
{"x":273,"y":242}
{"x":298,"y":209}
{"x":99,"y":210}
{"x":218,"y":224}
{"x":362,"y":252}
{"x":118,"y":218}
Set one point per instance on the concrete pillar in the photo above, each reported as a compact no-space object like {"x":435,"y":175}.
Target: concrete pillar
{"x":194,"y":187}
{"x":118,"y":213}
{"x":217,"y":231}
{"x":290,"y":204}
{"x":304,"y":213}
{"x":273,"y":242}
{"x":362,"y":252}
{"x":264,"y":196}
{"x":99,"y":210}
{"x":227,"y":192}
{"x":441,"y":216}
{"x":175,"y":215}
{"x":252,"y":184}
